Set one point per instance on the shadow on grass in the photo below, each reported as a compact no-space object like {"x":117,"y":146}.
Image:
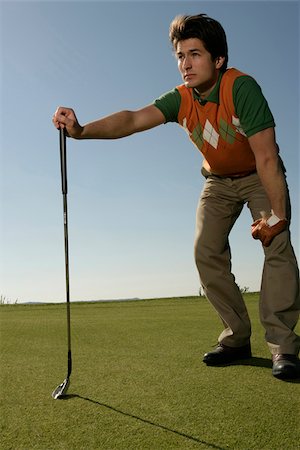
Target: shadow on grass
{"x":146,"y":421}
{"x":255,"y":362}
{"x":259,"y":362}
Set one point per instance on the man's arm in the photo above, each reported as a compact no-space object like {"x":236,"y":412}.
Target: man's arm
{"x":114,"y":126}
{"x":269,"y":170}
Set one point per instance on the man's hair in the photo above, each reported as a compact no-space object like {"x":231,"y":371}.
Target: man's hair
{"x":200,"y":26}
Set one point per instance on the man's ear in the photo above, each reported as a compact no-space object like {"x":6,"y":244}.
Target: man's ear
{"x":219,"y":61}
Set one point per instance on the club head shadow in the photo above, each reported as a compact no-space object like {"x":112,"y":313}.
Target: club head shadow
{"x":61,"y":389}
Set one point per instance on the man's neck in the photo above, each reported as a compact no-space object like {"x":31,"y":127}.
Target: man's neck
{"x":203,"y":94}
{"x":205,"y":90}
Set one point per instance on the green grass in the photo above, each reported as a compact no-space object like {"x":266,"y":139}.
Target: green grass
{"x":138,"y":381}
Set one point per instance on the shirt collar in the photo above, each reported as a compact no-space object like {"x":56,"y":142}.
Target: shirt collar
{"x":213,"y":96}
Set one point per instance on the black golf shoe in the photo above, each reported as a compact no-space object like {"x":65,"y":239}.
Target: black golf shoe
{"x":226,"y":355}
{"x":286,"y":367}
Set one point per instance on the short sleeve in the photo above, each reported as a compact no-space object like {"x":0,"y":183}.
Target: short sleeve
{"x":251,"y":106}
{"x":169,"y":104}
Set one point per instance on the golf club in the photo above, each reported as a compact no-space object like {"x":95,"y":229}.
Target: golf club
{"x":62,"y":388}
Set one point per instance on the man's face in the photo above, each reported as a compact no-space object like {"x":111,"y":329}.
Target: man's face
{"x":196,"y":66}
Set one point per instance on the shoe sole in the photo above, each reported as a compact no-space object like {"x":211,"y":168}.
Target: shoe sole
{"x":288,"y":375}
{"x":225,"y":361}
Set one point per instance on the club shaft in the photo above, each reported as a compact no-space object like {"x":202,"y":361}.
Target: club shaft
{"x":63,"y":160}
{"x":67,"y":274}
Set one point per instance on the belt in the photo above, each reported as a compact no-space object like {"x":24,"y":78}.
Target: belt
{"x":234,"y":177}
{"x":207,"y":174}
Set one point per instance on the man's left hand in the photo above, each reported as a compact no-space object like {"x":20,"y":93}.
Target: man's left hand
{"x":266,"y":233}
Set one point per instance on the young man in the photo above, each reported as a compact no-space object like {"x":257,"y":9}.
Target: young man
{"x":227,"y":117}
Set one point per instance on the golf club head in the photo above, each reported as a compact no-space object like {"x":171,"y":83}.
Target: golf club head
{"x":61,"y":389}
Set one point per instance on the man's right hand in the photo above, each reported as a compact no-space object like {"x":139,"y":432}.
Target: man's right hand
{"x":66,"y":118}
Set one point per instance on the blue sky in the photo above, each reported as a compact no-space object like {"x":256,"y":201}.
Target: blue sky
{"x":131,"y":202}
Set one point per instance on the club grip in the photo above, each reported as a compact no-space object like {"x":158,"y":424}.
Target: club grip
{"x":63,"y":160}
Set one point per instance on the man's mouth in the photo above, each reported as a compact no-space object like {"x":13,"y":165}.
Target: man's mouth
{"x":187,"y":76}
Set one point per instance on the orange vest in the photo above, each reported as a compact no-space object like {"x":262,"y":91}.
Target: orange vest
{"x":216,"y":131}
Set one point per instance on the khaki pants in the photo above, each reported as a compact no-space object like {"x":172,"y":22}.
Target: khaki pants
{"x":220,"y":205}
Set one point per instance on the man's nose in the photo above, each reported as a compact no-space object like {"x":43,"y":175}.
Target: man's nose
{"x":187,"y":63}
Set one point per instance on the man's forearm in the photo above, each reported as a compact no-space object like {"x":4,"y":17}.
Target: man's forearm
{"x":115,"y":126}
{"x":269,"y":169}
{"x":273,"y":181}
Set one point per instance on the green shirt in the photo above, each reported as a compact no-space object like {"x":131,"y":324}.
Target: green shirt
{"x":251,"y":107}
